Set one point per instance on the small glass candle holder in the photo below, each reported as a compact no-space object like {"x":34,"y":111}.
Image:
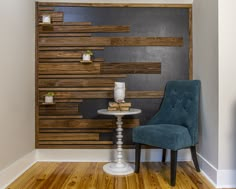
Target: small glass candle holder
{"x":46,"y":19}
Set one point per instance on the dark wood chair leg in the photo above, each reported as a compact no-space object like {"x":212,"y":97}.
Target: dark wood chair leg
{"x":194,"y":157}
{"x":173,"y":166}
{"x":163,"y":156}
{"x":137,"y":157}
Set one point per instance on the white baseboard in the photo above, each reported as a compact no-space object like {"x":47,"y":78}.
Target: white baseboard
{"x":219,"y":178}
{"x":207,"y":169}
{"x":104,"y":155}
{"x":226,"y":179}
{"x":10,"y":173}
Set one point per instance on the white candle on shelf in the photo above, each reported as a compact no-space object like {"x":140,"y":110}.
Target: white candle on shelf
{"x":46,"y":19}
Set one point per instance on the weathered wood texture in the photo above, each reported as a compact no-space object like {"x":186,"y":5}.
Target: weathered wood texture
{"x":131,"y":68}
{"x":147,"y":5}
{"x":58,"y":133}
{"x":111,"y":41}
{"x":86,"y":123}
{"x":103,"y":94}
{"x":60,"y":54}
{"x":82,"y":29}
{"x":82,"y":76}
{"x":76,"y":82}
{"x":91,"y":175}
{"x":68,"y":68}
{"x":103,"y":68}
{"x":59,"y":109}
{"x":70,"y":48}
{"x":67,"y":136}
{"x":66,"y":60}
{"x":64,"y":35}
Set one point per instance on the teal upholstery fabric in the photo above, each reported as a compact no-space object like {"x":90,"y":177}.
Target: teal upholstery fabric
{"x":175,"y":126}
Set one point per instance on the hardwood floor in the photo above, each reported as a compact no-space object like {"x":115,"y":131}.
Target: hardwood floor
{"x":67,"y":175}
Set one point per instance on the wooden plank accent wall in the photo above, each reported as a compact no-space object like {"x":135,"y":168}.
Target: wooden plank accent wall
{"x":59,"y":49}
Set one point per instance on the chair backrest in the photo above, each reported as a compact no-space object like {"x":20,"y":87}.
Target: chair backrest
{"x":180,"y":106}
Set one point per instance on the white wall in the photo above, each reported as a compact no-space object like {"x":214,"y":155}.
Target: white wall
{"x":227,"y":86}
{"x":16,"y":80}
{"x":205,"y":68}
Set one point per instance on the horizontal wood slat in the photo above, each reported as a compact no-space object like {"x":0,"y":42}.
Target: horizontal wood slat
{"x":163,"y":5}
{"x":131,"y":68}
{"x":65,"y":35}
{"x":105,"y":94}
{"x":78,"y":89}
{"x":88,"y":82}
{"x":111,"y":41}
{"x":68,"y":136}
{"x":62,"y":117}
{"x":66,"y":60}
{"x":87,"y":123}
{"x":70,"y":48}
{"x":82,"y":29}
{"x":79,"y":146}
{"x":73,"y":24}
{"x":75,"y":142}
{"x":68,"y":68}
{"x":145,"y":94}
{"x":66,"y":100}
{"x":76,"y":130}
{"x":59,"y":109}
{"x":60,"y":54}
{"x":82,"y":76}
{"x":46,"y":8}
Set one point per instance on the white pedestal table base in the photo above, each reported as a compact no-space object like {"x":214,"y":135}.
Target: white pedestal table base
{"x":120,"y":167}
{"x":117,"y":169}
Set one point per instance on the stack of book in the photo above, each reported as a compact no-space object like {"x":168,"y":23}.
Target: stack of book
{"x":123,"y":106}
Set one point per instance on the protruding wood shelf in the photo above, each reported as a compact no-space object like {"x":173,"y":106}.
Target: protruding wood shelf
{"x":48,"y":104}
{"x":86,"y":62}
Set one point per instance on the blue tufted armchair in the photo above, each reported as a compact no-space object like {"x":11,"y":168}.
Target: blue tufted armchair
{"x":175,"y":126}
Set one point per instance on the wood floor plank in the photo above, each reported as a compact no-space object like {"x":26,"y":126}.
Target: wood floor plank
{"x":90,"y":175}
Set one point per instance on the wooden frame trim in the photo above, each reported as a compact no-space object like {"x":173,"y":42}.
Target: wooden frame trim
{"x":190,"y":48}
{"x":36,"y":79}
{"x":131,"y":5}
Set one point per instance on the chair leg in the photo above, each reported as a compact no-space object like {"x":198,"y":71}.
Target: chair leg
{"x":173,"y":166}
{"x":163,"y":155}
{"x":194,"y":157}
{"x":137,"y":157}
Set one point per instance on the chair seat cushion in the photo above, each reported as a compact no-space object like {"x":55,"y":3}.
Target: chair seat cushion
{"x":166,"y":136}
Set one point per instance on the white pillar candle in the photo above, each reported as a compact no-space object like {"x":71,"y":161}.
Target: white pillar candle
{"x":119,"y":92}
